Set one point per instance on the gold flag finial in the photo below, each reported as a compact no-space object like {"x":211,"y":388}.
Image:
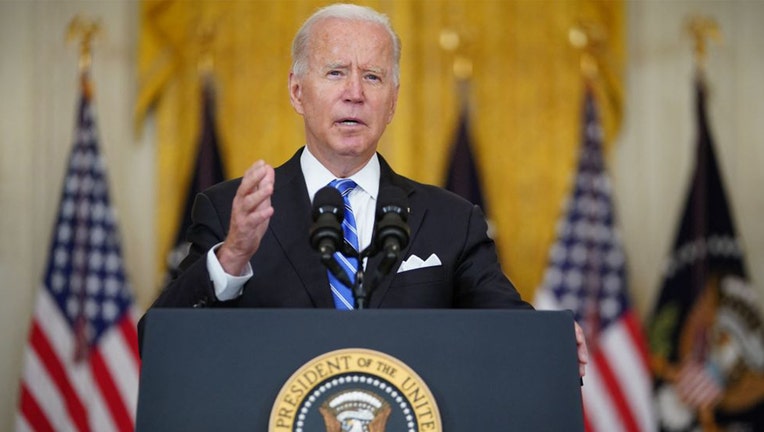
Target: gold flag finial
{"x":701,"y":29}
{"x":206,"y":35}
{"x":591,"y":39}
{"x":452,"y":41}
{"x":85,"y":30}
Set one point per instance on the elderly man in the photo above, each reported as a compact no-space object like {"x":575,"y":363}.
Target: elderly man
{"x":249,"y":236}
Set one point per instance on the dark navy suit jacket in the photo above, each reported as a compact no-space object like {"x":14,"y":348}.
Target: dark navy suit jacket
{"x":289,"y":273}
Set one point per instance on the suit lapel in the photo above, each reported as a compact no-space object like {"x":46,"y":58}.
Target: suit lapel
{"x":290,"y":226}
{"x":416,"y":216}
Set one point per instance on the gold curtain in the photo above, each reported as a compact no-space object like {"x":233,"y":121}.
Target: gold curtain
{"x":525,"y":96}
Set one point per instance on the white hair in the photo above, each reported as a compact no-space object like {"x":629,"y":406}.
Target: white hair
{"x":343,"y":11}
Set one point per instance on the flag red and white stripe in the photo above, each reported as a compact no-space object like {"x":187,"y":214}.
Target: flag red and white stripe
{"x":81,"y":363}
{"x":587,"y":275}
{"x":697,"y":386}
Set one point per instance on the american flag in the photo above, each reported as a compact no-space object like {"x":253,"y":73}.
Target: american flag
{"x":81,"y":363}
{"x":587,"y":275}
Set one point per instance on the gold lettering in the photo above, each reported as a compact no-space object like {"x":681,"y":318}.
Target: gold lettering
{"x":423,"y":404}
{"x":311,"y":377}
{"x":346,"y":360}
{"x":337,"y":365}
{"x":412,"y":391}
{"x":406,"y":387}
{"x":288,"y":400}
{"x":296,"y":391}
{"x":427,"y":426}
{"x":425,"y":414}
{"x":302,"y":384}
{"x":385,"y":368}
{"x":284,"y":417}
{"x":320,"y":370}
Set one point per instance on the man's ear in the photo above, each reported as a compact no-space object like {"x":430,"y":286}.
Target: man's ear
{"x":295,"y":93}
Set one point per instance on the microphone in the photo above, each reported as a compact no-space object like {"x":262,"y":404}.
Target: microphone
{"x":391,"y":231}
{"x":326,"y":233}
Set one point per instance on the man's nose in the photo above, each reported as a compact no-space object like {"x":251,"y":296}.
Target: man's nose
{"x":354,"y":88}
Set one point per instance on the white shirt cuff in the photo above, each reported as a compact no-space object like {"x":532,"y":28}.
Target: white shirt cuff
{"x":227,"y":287}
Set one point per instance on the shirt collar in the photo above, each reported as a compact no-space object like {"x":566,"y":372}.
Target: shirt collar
{"x":317,"y":176}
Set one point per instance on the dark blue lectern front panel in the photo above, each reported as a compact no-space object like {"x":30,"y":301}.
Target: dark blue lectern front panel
{"x":488,"y":370}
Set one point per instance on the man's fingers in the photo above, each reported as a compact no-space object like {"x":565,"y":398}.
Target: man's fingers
{"x":252,"y":203}
{"x":255,"y":199}
{"x":583,"y":352}
{"x":250,"y":198}
{"x":262,"y":215}
{"x":258,"y":173}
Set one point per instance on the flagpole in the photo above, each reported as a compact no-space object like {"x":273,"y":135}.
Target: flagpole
{"x":589,"y":39}
{"x":84,"y":31}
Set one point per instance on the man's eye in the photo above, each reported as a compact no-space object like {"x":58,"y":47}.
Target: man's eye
{"x":334,"y":73}
{"x":372,"y":77}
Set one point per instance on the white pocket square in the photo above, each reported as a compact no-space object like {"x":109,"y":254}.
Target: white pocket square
{"x":414,"y":262}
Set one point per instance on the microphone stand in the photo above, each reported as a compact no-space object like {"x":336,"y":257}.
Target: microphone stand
{"x":360,"y":294}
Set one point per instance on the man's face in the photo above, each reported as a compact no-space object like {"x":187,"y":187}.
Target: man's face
{"x":347,"y":95}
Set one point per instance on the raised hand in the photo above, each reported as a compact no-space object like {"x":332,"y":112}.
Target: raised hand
{"x":251,"y":212}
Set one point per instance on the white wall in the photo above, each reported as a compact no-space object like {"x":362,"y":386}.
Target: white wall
{"x":650,"y":164}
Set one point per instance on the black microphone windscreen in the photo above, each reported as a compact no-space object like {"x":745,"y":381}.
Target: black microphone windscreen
{"x":328,"y":200}
{"x":392,"y":199}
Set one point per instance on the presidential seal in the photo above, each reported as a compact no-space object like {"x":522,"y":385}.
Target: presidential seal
{"x":354,"y":390}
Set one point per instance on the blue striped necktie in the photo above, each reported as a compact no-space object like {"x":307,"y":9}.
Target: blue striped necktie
{"x":343,"y":295}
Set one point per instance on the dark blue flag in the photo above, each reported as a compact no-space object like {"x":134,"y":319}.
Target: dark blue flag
{"x":207,"y":171}
{"x":462,"y":175}
{"x":706,"y":330}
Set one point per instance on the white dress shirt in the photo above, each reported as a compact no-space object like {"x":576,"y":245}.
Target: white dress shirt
{"x":363,"y":199}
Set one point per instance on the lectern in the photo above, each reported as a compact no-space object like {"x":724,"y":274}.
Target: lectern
{"x":382,"y":370}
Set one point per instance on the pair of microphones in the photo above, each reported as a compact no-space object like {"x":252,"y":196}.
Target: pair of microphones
{"x":390,"y":236}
